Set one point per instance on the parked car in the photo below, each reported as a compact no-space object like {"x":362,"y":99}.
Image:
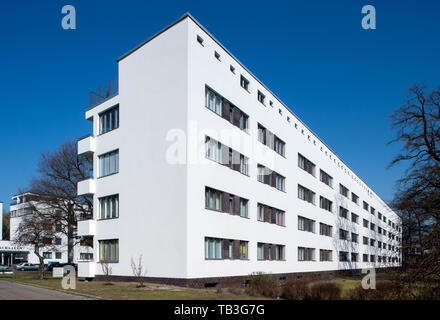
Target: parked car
{"x":26,"y":266}
{"x":61,"y":265}
{"x":4,"y":268}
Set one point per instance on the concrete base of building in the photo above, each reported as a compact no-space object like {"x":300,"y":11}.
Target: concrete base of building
{"x":243,"y":281}
{"x":240,"y":281}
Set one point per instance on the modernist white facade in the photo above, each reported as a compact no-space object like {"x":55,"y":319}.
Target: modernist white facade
{"x":180,"y":92}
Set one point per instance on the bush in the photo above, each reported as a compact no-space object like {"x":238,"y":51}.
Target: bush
{"x":325,"y":291}
{"x":262,"y":284}
{"x":385,"y":290}
{"x":296,"y":290}
{"x":428,"y":292}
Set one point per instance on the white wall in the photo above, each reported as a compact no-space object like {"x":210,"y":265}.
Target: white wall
{"x":152,"y":198}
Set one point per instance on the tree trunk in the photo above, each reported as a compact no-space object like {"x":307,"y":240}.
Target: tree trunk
{"x":70,"y":243}
{"x":41,"y":259}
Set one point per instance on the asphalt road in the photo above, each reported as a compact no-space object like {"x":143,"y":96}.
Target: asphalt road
{"x":17,"y":291}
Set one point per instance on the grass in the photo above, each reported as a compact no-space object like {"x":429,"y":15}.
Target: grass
{"x":128,"y":290}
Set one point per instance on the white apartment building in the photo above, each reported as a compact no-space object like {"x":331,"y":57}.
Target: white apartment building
{"x":21,"y":207}
{"x":203,"y":171}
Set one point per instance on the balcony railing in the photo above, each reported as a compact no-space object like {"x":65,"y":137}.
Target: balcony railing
{"x":104,"y":92}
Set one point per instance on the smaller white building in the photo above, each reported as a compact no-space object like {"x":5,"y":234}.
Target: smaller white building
{"x":21,"y":207}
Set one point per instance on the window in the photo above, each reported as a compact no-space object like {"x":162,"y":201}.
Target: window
{"x":306,"y":164}
{"x":261,"y":97}
{"x":109,"y":250}
{"x":244,"y":83}
{"x":279,"y":252}
{"x":58,"y":255}
{"x":213,"y":248}
{"x":86,"y":256}
{"x":354,"y":217}
{"x":47,"y":255}
{"x":109,"y":163}
{"x":260,"y":251}
{"x":343,"y":212}
{"x":269,"y":214}
{"x":354,"y":237}
{"x":343,"y":190}
{"x":213,"y":149}
{"x":306,"y":194}
{"x":354,"y":198}
{"x":379,"y":215}
{"x":243,"y":250}
{"x":366,"y":206}
{"x":365,"y":257}
{"x":365,"y":223}
{"x":372,"y":242}
{"x":213,"y":101}
{"x":57,"y":241}
{"x":260,"y":209}
{"x":343,"y":234}
{"x":343,"y":256}
{"x":58,"y":227}
{"x":305,"y":224}
{"x":271,"y":140}
{"x":279,"y":182}
{"x":261,"y":134}
{"x":243,"y":208}
{"x":325,"y":255}
{"x":217,"y":55}
{"x":109,"y":120}
{"x":326,"y":178}
{"x":200,"y":40}
{"x":109,"y":207}
{"x":325,"y":204}
{"x":373,"y":211}
{"x":279,"y":146}
{"x":365,"y":241}
{"x":354,"y":257}
{"x":306,"y":254}
{"x":325,"y":229}
{"x":372,"y":226}
{"x":232,"y":68}
{"x":271,"y":178}
{"x":244,"y":167}
{"x":372,"y":258}
{"x":213,"y":199}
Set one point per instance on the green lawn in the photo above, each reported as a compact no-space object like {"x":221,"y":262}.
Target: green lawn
{"x":128,"y":290}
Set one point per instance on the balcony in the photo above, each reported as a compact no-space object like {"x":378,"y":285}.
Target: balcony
{"x":86,"y":146}
{"x":86,"y":187}
{"x":104,"y":92}
{"x":86,"y":228}
{"x":86,"y":269}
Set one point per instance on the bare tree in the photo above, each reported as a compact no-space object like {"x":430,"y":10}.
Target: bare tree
{"x":417,"y":200}
{"x":55,"y":190}
{"x":6,"y":226}
{"x":106,"y":271}
{"x":139,"y":271}
{"x":36,"y":231}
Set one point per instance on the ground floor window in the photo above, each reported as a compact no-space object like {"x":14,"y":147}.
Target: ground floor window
{"x":213,"y":248}
{"x":47,"y":255}
{"x":109,"y":250}
{"x":58,"y":255}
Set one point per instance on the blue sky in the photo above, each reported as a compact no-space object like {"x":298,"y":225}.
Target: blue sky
{"x":341,"y":80}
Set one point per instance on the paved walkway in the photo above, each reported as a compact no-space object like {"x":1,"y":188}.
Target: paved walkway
{"x":17,"y":291}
